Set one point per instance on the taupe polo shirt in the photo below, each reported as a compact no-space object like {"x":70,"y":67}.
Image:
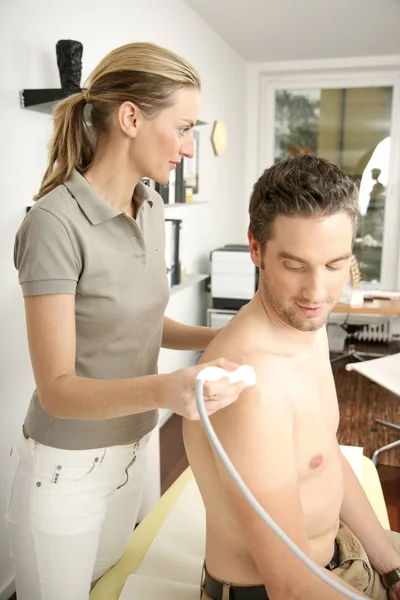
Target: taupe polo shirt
{"x":73,"y":242}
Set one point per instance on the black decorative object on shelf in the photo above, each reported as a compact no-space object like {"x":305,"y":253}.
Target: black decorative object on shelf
{"x":69,"y":62}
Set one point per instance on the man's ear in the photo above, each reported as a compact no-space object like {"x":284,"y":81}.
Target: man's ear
{"x":255,"y":250}
{"x":129,"y":119}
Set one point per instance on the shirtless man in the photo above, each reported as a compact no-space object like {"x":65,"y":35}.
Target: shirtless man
{"x":281,"y":434}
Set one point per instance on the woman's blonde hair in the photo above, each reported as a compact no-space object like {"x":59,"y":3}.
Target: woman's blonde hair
{"x":143,"y":73}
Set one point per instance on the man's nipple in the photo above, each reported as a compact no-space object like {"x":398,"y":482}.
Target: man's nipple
{"x":316,"y":461}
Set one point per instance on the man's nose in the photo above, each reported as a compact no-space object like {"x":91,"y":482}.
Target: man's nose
{"x":314,"y":289}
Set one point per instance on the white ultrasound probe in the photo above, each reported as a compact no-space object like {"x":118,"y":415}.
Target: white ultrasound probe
{"x":247,"y":375}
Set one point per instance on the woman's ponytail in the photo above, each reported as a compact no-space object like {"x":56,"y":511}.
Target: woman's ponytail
{"x":70,"y":146}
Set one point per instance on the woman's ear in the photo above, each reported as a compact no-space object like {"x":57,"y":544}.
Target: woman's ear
{"x":129,"y":118}
{"x":255,"y":250}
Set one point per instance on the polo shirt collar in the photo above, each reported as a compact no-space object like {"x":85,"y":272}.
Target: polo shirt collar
{"x":94,"y":207}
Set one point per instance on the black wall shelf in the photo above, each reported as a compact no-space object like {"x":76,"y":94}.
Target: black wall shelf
{"x":44,"y":100}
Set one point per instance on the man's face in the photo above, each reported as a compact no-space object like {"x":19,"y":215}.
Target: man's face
{"x":303,"y":268}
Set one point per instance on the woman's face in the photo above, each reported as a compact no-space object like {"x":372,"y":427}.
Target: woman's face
{"x":162,"y":142}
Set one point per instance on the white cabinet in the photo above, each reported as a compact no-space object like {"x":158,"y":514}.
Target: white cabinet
{"x":218,"y":317}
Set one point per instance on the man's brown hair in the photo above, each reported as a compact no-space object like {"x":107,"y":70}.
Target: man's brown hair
{"x":304,"y":186}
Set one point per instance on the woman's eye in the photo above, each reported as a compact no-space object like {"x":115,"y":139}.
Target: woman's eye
{"x":183,"y":130}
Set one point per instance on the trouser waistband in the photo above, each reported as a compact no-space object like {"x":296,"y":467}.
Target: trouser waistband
{"x":215,"y":588}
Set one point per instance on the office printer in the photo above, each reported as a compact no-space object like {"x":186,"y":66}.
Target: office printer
{"x":234,"y":277}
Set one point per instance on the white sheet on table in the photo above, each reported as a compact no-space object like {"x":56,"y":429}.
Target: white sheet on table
{"x":171,"y":569}
{"x":139,"y":587}
{"x":354,"y":455}
{"x":383,"y":371}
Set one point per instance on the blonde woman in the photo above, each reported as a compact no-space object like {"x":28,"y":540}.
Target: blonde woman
{"x":90,"y":257}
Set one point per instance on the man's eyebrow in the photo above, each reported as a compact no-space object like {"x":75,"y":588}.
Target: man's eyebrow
{"x":301,"y":260}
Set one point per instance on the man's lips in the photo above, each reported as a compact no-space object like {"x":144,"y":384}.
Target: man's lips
{"x":311,"y":311}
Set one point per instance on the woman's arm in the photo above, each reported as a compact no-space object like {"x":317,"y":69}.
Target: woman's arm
{"x":177,"y":336}
{"x":52,"y":344}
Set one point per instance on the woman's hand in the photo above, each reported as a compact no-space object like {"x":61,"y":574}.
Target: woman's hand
{"x":180,"y":391}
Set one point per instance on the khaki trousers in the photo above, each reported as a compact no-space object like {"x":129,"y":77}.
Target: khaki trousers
{"x":355,"y":568}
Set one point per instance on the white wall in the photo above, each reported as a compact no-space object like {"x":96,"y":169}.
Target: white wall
{"x":29,"y":32}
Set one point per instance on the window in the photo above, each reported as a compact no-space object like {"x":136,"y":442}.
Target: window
{"x":351,"y":127}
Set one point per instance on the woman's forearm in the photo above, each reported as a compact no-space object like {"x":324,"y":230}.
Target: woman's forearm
{"x":73,"y":397}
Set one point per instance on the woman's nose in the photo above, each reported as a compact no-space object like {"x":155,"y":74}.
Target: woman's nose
{"x":187,"y":148}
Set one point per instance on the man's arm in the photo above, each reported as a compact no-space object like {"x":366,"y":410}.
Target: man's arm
{"x":177,"y":336}
{"x":359,"y":516}
{"x":257,"y":434}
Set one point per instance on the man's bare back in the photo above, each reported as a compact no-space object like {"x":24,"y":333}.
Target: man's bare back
{"x":285,"y":434}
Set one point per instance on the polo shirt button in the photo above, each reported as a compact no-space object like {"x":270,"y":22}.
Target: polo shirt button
{"x":156,"y":249}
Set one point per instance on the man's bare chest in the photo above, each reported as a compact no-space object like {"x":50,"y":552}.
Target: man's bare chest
{"x":316,"y":419}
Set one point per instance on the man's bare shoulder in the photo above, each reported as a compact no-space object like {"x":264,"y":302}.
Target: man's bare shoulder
{"x":261,"y":421}
{"x":249,"y":339}
{"x":243,"y":335}
{"x":270,"y":396}
{"x":283,"y":371}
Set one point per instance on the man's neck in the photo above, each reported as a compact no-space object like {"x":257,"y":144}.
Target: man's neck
{"x":297,"y":341}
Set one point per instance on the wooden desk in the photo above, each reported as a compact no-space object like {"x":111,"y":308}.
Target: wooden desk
{"x":374,"y":307}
